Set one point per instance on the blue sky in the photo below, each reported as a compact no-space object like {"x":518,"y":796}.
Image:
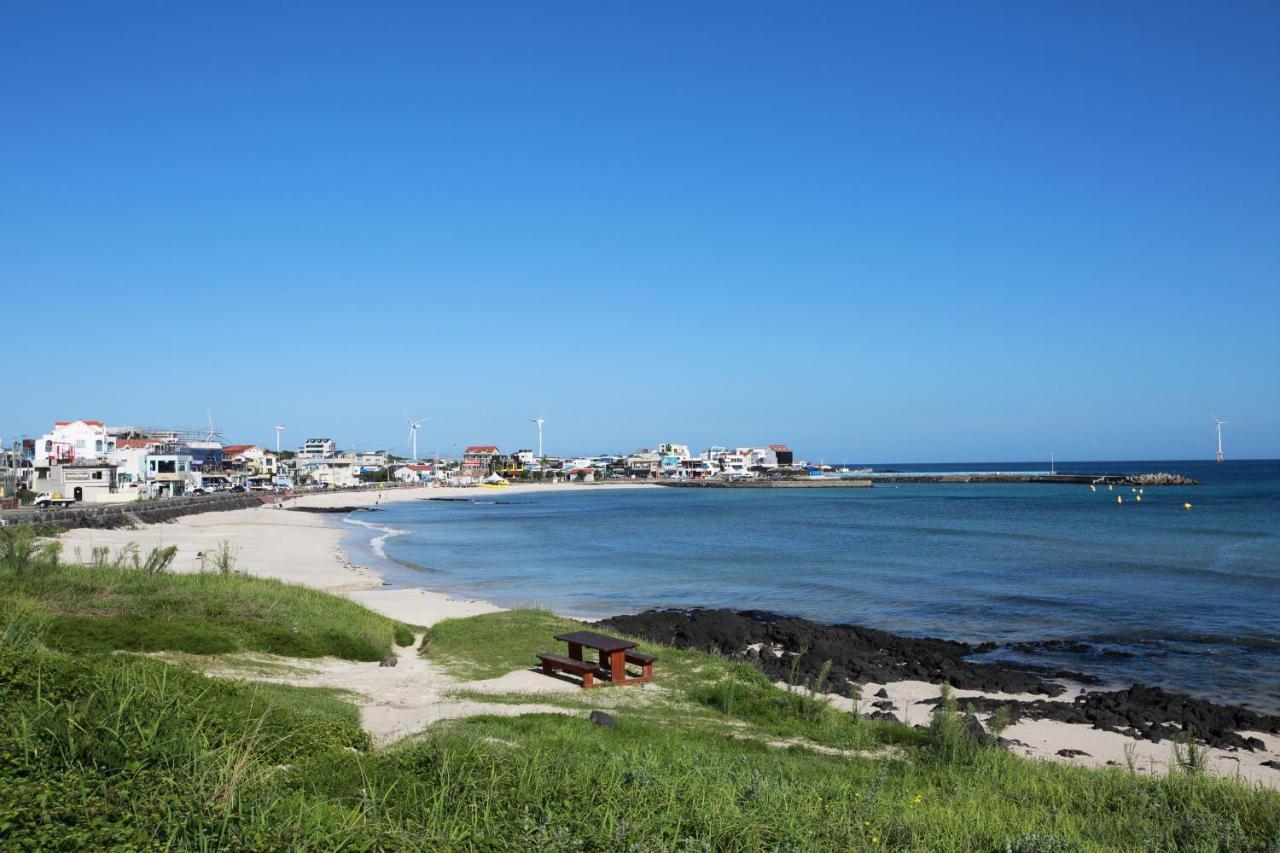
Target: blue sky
{"x":937,"y":232}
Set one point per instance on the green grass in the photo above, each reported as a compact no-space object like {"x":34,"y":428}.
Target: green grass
{"x":114,"y":608}
{"x":104,"y":750}
{"x":494,"y":644}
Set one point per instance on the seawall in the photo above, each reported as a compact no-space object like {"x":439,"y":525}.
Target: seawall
{"x":130,"y":512}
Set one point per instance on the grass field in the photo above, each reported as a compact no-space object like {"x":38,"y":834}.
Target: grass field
{"x":100,"y":749}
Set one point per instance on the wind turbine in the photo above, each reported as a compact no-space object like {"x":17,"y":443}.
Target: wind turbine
{"x":414,"y":426}
{"x":539,"y":422}
{"x":279,"y":429}
{"x":1219,"y":424}
{"x":209,"y":437}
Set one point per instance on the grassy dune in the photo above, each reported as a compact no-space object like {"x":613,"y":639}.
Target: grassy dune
{"x":113,"y":606}
{"x":100,"y":749}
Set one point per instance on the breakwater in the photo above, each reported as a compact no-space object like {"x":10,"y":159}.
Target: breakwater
{"x":1149,"y":479}
{"x":796,"y":483}
{"x":867,"y":480}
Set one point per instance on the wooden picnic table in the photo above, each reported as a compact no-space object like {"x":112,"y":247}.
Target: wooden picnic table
{"x":615,"y":654}
{"x":613,"y":651}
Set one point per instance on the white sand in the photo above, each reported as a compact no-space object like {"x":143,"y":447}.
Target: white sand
{"x":305,"y":548}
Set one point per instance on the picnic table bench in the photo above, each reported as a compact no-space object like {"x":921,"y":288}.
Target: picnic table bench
{"x":614,"y":655}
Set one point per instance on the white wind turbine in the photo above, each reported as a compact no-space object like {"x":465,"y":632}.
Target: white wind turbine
{"x":1219,"y":424}
{"x":539,"y":422}
{"x":414,"y":426}
{"x":279,"y":428}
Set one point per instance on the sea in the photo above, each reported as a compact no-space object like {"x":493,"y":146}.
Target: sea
{"x":1138,"y":590}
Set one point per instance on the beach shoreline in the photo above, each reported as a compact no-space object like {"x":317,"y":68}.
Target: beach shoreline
{"x":301,"y":541}
{"x":307,"y":542}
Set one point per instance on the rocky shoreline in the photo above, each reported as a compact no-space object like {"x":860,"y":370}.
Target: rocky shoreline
{"x":788,"y":647}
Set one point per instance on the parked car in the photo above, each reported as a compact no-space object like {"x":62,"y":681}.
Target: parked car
{"x":198,"y":491}
{"x":238,"y":489}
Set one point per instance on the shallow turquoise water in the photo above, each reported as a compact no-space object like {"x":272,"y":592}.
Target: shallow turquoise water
{"x":1185,"y":599}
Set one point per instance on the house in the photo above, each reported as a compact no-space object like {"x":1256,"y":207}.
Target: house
{"x":693,"y":469}
{"x":783,"y":457}
{"x":256,"y":459}
{"x":643,"y":463}
{"x":130,"y":459}
{"x":88,"y":481}
{"x":71,"y":441}
{"x":415,"y":473}
{"x":478,"y":460}
{"x":170,"y":474}
{"x":372,"y":460}
{"x":337,"y":472}
{"x":317,"y":448}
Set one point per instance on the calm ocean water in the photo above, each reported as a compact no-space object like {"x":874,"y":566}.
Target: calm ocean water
{"x":1189,"y":600}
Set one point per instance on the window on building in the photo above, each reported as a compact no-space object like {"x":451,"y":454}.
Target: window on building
{"x":97,"y":445}
{"x":48,"y":446}
{"x":79,"y":444}
{"x":97,"y":475}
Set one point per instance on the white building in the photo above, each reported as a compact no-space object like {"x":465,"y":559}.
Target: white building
{"x":90,"y":482}
{"x":372,"y":460}
{"x":171,"y":474}
{"x":130,"y":459}
{"x":337,"y":472}
{"x":415,"y":473}
{"x":74,"y":441}
{"x":317,"y":448}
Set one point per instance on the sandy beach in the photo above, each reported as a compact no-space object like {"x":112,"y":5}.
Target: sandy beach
{"x":305,"y":548}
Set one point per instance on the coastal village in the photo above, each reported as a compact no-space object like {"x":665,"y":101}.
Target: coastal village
{"x":88,"y":461}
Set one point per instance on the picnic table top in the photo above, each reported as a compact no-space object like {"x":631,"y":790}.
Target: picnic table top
{"x":599,"y":642}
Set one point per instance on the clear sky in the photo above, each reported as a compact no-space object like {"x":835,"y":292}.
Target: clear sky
{"x":879,"y":232}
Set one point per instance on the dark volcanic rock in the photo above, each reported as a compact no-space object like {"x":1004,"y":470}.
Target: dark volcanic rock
{"x":1275,"y":765}
{"x":882,"y":693}
{"x":973,"y":730}
{"x":1070,"y":647}
{"x":857,"y":654}
{"x":327,"y":510}
{"x":883,"y":705}
{"x":600,"y":718}
{"x":881,"y":715}
{"x":389,"y":660}
{"x":860,"y":655}
{"x":1072,"y":753}
{"x":1143,"y":712}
